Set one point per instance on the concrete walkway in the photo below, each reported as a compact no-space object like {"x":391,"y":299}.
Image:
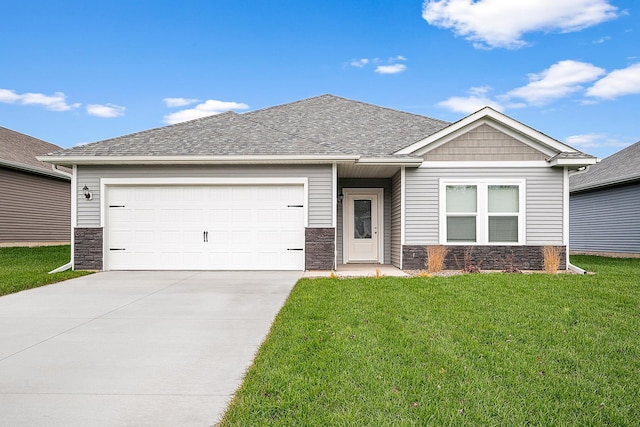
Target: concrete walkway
{"x":359,"y":270}
{"x":133,"y":348}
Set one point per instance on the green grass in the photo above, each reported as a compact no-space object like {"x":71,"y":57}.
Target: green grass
{"x":26,"y":268}
{"x":486,"y":350}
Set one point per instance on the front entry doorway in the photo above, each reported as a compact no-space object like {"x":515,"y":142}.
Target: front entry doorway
{"x":362,"y":225}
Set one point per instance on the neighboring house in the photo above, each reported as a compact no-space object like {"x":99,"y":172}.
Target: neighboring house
{"x":605,"y":205}
{"x":35,"y":199}
{"x":320,"y":182}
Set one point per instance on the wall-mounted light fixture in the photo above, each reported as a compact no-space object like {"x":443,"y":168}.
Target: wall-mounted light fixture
{"x":87,"y":193}
{"x":340,"y":197}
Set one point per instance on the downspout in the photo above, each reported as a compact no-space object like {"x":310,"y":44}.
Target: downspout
{"x":579,"y":171}
{"x":68,"y":265}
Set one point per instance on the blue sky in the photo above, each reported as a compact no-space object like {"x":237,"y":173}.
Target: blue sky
{"x":80,"y":71}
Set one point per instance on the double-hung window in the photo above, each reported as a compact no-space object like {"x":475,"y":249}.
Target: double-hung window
{"x":484,"y":212}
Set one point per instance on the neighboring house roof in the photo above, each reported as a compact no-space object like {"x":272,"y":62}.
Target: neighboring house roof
{"x":618,"y":168}
{"x":323,"y":128}
{"x":19,"y":151}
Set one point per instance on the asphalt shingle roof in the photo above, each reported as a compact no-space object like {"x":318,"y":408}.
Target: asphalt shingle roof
{"x":324,"y":125}
{"x":620,"y":167}
{"x":19,"y":148}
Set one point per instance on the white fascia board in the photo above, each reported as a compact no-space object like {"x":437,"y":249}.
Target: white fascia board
{"x":485,"y":164}
{"x":573,"y":162}
{"x":185,"y":160}
{"x":500,"y":119}
{"x":401,"y":161}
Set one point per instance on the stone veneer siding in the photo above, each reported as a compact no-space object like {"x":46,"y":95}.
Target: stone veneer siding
{"x":320,"y":246}
{"x":87,"y":253}
{"x":484,"y":257}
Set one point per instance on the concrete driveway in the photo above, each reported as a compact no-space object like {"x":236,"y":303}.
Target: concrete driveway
{"x":133,"y":348}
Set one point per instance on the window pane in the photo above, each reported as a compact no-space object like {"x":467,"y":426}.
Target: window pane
{"x":503,"y":198}
{"x":461,"y":229}
{"x":503,"y":229}
{"x":362,"y":219}
{"x":461,"y":198}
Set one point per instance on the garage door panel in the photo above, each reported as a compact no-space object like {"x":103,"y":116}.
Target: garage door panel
{"x":248,"y":227}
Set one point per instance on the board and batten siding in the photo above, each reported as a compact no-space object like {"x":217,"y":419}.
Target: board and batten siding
{"x":320,"y":184}
{"x":544,"y":206}
{"x":605,"y":220}
{"x":396,"y":218}
{"x":34,"y":208}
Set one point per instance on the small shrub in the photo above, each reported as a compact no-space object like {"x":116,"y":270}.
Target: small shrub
{"x":333,"y":275}
{"x":512,"y":270}
{"x":471,"y":269}
{"x":552,"y":259}
{"x":378,"y":274}
{"x":435,"y":258}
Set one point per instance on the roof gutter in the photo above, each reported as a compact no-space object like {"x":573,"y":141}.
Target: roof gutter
{"x":33,"y":169}
{"x":560,"y":162}
{"x":187,"y":160}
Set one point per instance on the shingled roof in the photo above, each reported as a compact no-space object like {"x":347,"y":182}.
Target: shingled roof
{"x":324,"y":125}
{"x":618,"y":168}
{"x":18,"y":150}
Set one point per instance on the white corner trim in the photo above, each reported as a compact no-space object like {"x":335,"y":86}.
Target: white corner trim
{"x":565,"y":210}
{"x":74,"y":210}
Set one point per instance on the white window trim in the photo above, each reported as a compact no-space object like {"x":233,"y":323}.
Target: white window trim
{"x":482,"y":214}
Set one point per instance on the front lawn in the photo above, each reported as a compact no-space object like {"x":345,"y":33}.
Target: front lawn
{"x":26,"y":268}
{"x":477,"y":349}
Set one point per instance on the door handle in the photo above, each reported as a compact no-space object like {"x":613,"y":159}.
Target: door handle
{"x":205,"y":236}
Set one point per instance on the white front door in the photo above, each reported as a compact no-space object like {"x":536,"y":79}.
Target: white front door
{"x":362,"y":225}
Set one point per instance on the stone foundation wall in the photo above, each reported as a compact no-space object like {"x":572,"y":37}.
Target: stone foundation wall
{"x":484,"y":257}
{"x":87,"y":254}
{"x":320,"y":246}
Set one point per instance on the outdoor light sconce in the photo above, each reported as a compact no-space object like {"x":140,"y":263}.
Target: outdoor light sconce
{"x":87,"y":193}
{"x":340,"y":197}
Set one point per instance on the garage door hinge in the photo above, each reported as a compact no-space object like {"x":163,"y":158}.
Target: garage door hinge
{"x":295,"y":249}
{"x":117,"y":249}
{"x":295,"y":206}
{"x":116,"y":206}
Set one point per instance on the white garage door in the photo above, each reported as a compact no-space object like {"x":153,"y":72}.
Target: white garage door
{"x":205,"y":227}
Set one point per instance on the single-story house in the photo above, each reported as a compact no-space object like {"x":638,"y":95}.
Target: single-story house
{"x":35,"y":199}
{"x":605,"y":205}
{"x":317,"y":183}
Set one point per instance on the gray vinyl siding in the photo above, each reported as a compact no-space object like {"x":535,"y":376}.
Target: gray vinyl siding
{"x":606,"y":220}
{"x":34,"y":208}
{"x":396,"y":220}
{"x":544,"y":206}
{"x":320,"y":184}
{"x":383,"y":183}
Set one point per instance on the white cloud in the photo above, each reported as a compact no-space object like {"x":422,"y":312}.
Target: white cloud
{"x":617,"y":83}
{"x":594,"y":140}
{"x":179,"y":102}
{"x":389,"y":66}
{"x":106,"y":110}
{"x":207,"y":108}
{"x":390,"y":69}
{"x":557,"y":81}
{"x":359,"y":63}
{"x":502,"y":23}
{"x":477,"y":99}
{"x":55,"y":102}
